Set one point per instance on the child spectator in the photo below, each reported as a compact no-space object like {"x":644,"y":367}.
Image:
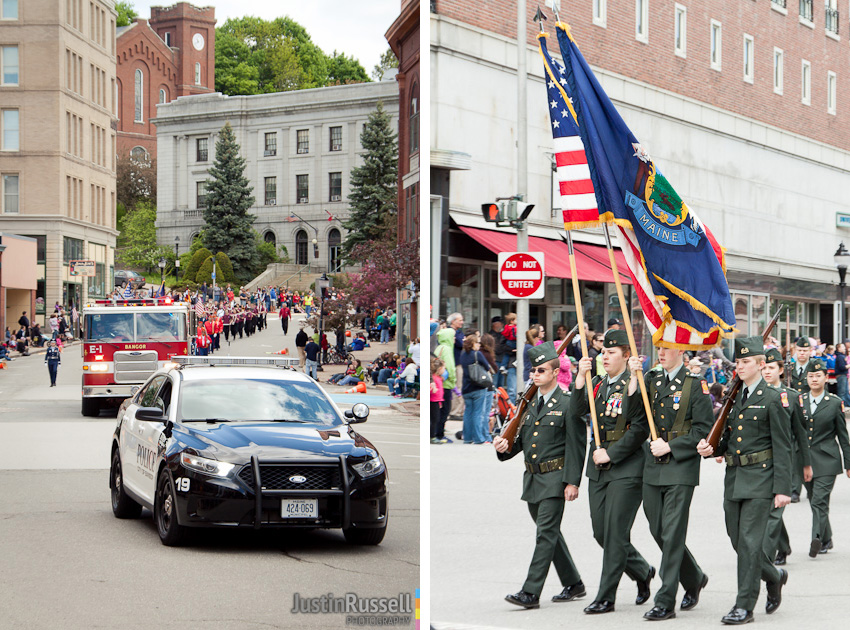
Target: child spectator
{"x":437,"y":368}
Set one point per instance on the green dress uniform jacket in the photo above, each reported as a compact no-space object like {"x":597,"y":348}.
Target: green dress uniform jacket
{"x":666,"y":400}
{"x":799,"y":380}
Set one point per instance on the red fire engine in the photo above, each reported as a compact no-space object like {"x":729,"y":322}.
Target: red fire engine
{"x":124,"y":342}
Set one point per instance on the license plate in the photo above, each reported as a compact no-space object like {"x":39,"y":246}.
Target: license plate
{"x":299,"y":508}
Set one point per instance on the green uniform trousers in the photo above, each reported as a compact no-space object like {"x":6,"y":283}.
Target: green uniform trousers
{"x":775,"y":535}
{"x":549,"y":547}
{"x":667,"y":509}
{"x":746,"y":523}
{"x":796,"y":467}
{"x":820,"y":489}
{"x":613,"y":507}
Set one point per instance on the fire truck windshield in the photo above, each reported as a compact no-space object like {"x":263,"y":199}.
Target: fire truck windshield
{"x":135,"y":327}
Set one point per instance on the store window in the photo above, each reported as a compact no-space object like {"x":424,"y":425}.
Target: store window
{"x":463,"y":293}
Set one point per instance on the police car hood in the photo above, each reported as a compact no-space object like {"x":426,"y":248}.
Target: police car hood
{"x":236,"y":442}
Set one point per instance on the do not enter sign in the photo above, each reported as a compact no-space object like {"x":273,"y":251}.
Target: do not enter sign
{"x":521,"y":275}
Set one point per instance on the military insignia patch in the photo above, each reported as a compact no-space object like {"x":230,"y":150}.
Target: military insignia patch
{"x":784,"y":397}
{"x":704,"y":387}
{"x":801,"y":399}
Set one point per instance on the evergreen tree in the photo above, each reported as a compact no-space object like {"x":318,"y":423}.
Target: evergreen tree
{"x":374,"y":185}
{"x":198,"y":258}
{"x":228,"y":223}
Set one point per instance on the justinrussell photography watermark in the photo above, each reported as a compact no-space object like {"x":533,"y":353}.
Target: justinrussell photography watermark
{"x":359,"y":611}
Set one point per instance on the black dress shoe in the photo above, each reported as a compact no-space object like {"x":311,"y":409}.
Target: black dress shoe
{"x":691,"y":598}
{"x":795,"y":497}
{"x":643,"y":588}
{"x":826,"y":546}
{"x":526,"y":600}
{"x":780,"y":558}
{"x":814,"y":550}
{"x":774,"y":592}
{"x":737,"y":616}
{"x":570,"y":593}
{"x":597,"y":608}
{"x":660,"y":614}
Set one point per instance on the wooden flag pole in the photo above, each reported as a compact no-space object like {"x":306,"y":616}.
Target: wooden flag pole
{"x":588,"y":382}
{"x":627,"y":321}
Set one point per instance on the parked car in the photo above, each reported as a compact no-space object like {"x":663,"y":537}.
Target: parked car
{"x":136,"y":280}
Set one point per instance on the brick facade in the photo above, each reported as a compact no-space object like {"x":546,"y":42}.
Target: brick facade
{"x":616,"y":49}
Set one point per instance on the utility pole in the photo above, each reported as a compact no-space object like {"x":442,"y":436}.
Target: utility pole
{"x":522,"y":174}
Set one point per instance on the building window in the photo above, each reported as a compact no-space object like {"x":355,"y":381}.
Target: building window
{"x":11,"y":194}
{"x":197,"y":73}
{"x":778,"y":70}
{"x":748,"y":58}
{"x":73,"y":249}
{"x":302,"y":188}
{"x":269,"y":237}
{"x":139,"y":154}
{"x":271,"y":144}
{"x":680,"y":31}
{"x":303,"y":140}
{"x":138,"y":117}
{"x":301,"y":247}
{"x":334,"y":258}
{"x":336,"y":138}
{"x":271,"y":191}
{"x":162,"y":96}
{"x":9,"y":10}
{"x":202,"y":154}
{"x":642,"y":20}
{"x":806,"y":11}
{"x":11,"y":123}
{"x":779,"y":5}
{"x":335,"y":185}
{"x":600,"y":13}
{"x":831,"y":20}
{"x":201,"y":191}
{"x":716,"y":45}
{"x":168,"y":39}
{"x":830,"y":92}
{"x":806,"y":75}
{"x":414,"y":119}
{"x":10,"y":64}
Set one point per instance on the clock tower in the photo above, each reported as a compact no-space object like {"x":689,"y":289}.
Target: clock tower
{"x":191,"y":31}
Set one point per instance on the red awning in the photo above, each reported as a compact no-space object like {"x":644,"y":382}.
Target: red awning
{"x":591,"y":260}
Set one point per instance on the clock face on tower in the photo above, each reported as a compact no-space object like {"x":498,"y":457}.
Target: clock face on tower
{"x":198,"y":41}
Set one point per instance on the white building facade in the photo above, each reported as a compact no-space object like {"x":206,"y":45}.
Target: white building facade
{"x":300,"y":148}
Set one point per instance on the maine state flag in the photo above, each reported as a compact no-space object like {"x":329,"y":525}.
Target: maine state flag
{"x":673,"y":257}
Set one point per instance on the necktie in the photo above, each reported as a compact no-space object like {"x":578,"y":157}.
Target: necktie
{"x":666,"y":380}
{"x":746,"y":394}
{"x":814,"y":406}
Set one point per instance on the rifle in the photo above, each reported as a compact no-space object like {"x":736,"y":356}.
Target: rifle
{"x":786,"y":352}
{"x":510,"y":430}
{"x":732,"y":393}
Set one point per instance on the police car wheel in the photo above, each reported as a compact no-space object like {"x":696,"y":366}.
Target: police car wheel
{"x":372,"y":536}
{"x":122,"y":505}
{"x":171,"y":533}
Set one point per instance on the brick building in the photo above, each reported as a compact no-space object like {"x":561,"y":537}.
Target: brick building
{"x":170,"y":55}
{"x":403,"y":37}
{"x":742,"y":104}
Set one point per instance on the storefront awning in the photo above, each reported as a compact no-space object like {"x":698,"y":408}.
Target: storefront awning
{"x":591,"y":260}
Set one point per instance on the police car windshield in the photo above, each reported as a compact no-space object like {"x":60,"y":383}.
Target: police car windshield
{"x":250,"y":400}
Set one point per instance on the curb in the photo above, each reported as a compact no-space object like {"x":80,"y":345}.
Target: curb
{"x":408,"y":408}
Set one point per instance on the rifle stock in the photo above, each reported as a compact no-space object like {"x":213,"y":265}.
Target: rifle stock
{"x":732,"y":392}
{"x":510,"y":430}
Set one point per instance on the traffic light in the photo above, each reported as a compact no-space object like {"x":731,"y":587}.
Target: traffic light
{"x":493,"y":212}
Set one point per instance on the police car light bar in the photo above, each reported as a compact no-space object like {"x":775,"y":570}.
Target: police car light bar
{"x":233,"y":361}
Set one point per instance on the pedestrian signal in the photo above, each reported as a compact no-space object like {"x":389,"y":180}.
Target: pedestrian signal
{"x":493,"y":212}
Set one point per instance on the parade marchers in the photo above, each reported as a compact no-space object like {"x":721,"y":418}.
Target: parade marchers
{"x":627,"y":469}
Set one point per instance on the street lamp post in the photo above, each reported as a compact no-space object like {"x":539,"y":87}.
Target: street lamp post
{"x":176,"y":259}
{"x":323,"y":284}
{"x":161,"y":271}
{"x":841,"y":258}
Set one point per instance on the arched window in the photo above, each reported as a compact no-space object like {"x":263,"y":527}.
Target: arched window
{"x":197,"y":73}
{"x":163,"y":98}
{"x":139,"y":101}
{"x":139,"y":154}
{"x":269,"y":237}
{"x":301,"y":247}
{"x":334,"y":261}
{"x":413,"y":122}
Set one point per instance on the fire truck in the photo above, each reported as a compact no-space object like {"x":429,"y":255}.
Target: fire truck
{"x":124,"y":342}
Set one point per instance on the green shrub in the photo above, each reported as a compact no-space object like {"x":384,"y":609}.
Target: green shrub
{"x":205,"y":272}
{"x":225,"y":269}
{"x":198,"y":259}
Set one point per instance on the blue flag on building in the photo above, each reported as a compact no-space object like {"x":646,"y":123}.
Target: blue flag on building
{"x":681,"y":261}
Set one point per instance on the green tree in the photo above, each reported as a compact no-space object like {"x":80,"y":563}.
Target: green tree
{"x":388,"y":60}
{"x":137,"y":239}
{"x":235,"y":71}
{"x":126,"y":13}
{"x":195,"y":263}
{"x":343,"y":70}
{"x":225,"y":269}
{"x":205,"y":272}
{"x":135,"y":181}
{"x":228,"y":223}
{"x":373,"y":196}
{"x":266,"y":253}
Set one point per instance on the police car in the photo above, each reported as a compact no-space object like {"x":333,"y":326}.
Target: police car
{"x":244,"y":442}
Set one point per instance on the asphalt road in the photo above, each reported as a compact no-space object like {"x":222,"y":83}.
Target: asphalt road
{"x":66,"y":562}
{"x":482,"y":538}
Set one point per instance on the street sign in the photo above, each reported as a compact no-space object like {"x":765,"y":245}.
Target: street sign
{"x":521,"y":275}
{"x":82,"y":268}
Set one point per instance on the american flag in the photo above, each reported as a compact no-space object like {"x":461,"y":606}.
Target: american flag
{"x":199,"y":306}
{"x":580,"y":208}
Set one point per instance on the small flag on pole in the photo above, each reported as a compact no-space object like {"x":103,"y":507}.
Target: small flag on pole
{"x":128,"y":292}
{"x":199,"y":306}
